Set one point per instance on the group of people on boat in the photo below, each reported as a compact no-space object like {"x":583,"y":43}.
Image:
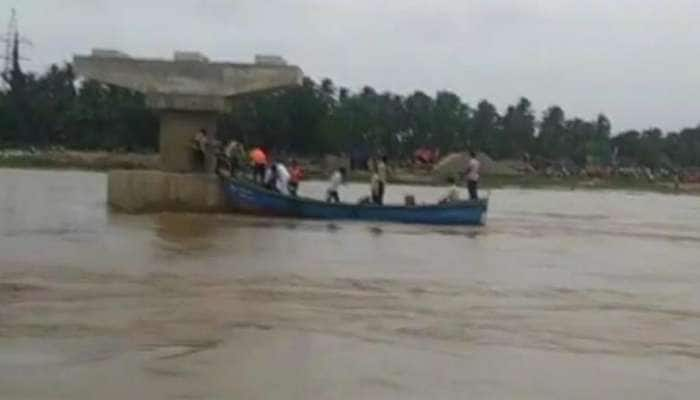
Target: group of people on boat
{"x":232,"y":160}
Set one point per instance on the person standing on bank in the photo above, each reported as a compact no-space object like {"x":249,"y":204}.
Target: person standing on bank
{"x":472,"y":172}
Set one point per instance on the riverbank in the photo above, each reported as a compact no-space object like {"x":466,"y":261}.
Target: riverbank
{"x":83,"y":160}
{"x":104,"y":161}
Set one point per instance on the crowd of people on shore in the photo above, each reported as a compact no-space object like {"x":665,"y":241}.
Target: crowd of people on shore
{"x":232,"y":160}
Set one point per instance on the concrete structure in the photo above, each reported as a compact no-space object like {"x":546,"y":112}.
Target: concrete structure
{"x":268,"y":59}
{"x":189,"y":91}
{"x":155,"y":191}
{"x":176,"y":131}
{"x":108,"y":53}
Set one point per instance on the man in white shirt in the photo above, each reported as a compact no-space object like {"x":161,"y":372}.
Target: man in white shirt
{"x":473,"y":166}
{"x":282,"y":178}
{"x":337,"y":179}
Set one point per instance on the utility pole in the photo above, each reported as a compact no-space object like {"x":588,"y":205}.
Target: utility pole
{"x":12,"y":72}
{"x":15,"y":82}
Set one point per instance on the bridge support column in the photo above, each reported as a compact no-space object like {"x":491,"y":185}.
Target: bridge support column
{"x":177,"y":129}
{"x":188,"y":92}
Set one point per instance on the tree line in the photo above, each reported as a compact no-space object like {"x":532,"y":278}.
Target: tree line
{"x":53,"y":109}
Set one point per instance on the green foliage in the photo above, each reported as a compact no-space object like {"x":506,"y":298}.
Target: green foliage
{"x":652,"y":149}
{"x":319,"y":118}
{"x":518,"y":133}
{"x":485,"y":132}
{"x":684,"y":148}
{"x":53,"y":109}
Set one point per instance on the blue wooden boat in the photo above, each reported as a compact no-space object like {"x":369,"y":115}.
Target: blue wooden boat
{"x":248,"y":197}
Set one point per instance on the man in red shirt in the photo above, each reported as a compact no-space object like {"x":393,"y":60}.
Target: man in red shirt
{"x":297,"y":174}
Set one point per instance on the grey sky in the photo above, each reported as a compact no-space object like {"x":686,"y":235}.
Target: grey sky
{"x":635,"y":60}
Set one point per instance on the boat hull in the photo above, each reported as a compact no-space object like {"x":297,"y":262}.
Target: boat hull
{"x":250,"y":198}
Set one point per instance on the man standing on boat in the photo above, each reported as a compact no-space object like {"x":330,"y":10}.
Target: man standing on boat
{"x":233,"y":156}
{"x":382,"y":174}
{"x":375,"y":186}
{"x":259,"y":161}
{"x":337,"y":179}
{"x":297,"y":174}
{"x":472,"y":172}
{"x":281,"y":178}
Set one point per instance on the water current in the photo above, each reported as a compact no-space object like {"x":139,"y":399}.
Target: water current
{"x":563,"y":294}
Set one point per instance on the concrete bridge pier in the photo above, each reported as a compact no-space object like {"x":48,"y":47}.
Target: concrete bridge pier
{"x":177,"y":129}
{"x":189,"y":92}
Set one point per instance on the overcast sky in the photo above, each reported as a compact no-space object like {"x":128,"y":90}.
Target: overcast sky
{"x":638,"y":61}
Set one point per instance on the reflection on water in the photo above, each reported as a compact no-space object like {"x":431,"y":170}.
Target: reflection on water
{"x":564,"y":294}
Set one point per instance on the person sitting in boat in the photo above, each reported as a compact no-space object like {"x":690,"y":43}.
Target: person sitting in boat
{"x":337,"y":179}
{"x":452,"y":194}
{"x":364,"y":201}
{"x":297,"y":174}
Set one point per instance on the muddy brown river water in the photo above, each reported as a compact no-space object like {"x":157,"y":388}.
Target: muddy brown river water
{"x":564,"y":294}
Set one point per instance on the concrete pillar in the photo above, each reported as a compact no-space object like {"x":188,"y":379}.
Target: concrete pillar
{"x":188,"y":91}
{"x":177,"y":129}
{"x":148,"y":191}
